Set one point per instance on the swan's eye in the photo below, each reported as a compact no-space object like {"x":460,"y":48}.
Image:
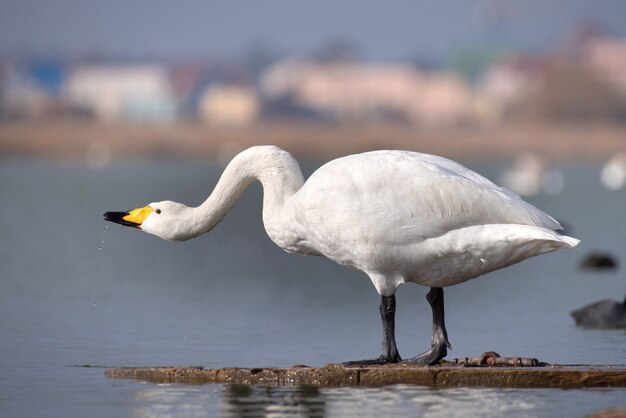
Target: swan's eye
{"x":158,"y":211}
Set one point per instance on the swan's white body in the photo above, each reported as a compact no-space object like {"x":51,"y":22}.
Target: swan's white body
{"x":397,"y":216}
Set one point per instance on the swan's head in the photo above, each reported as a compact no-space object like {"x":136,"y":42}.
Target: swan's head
{"x":167,"y":220}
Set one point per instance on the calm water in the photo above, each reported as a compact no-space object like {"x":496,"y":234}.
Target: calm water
{"x":232,"y":298}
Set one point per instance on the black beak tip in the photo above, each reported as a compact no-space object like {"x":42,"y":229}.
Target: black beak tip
{"x":114,"y":216}
{"x":118,"y":218}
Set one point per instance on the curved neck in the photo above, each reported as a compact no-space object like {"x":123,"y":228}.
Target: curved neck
{"x":278,"y":172}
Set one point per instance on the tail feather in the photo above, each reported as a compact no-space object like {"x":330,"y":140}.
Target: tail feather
{"x":571,"y":242}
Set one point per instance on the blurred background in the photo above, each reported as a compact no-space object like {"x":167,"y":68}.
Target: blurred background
{"x":112,"y":105}
{"x":485,"y":77}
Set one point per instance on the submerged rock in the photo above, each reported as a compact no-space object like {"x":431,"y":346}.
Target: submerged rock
{"x":602,"y":314}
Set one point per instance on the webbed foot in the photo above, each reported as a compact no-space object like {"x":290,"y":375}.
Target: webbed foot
{"x":431,"y":357}
{"x":375,"y":361}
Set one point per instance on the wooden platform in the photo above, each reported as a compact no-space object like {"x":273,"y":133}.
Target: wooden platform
{"x":548,"y":376}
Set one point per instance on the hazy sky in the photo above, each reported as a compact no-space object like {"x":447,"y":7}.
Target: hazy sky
{"x":382,"y":30}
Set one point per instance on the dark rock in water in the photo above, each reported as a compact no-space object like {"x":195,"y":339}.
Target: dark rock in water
{"x":602,"y":314}
{"x":599,"y":261}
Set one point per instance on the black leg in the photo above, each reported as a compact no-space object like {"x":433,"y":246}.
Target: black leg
{"x":388,"y":315}
{"x":440,"y":343}
{"x":390,"y":352}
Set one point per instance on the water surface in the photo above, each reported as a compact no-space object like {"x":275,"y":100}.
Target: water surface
{"x":232,"y":298}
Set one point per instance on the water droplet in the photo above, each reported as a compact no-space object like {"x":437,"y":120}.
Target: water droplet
{"x":106,"y":228}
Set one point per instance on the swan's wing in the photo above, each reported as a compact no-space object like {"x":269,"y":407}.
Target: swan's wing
{"x":398,"y":197}
{"x":474,"y":197}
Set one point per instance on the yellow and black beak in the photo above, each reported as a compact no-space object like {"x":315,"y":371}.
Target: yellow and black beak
{"x":134,"y":218}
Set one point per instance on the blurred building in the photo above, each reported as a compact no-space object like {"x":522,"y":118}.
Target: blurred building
{"x":509,"y":81}
{"x":187,"y":81}
{"x":348,"y":91}
{"x":31,"y":88}
{"x":229,"y":105}
{"x":122,"y":92}
{"x":215,"y":93}
{"x":584,"y":81}
{"x":606,"y":57}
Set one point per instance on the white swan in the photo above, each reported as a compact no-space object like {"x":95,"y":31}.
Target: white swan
{"x":397,"y":216}
{"x":530,"y":176}
{"x":613,"y":174}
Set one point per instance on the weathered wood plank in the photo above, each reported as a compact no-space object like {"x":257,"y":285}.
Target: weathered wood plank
{"x":551,"y":376}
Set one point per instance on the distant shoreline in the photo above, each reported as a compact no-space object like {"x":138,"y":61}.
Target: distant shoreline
{"x":80,"y":140}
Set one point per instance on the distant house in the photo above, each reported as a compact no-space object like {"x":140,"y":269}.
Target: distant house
{"x":122,"y":92}
{"x":229,"y":105}
{"x":48,"y":74}
{"x":30,"y":88}
{"x":513,"y":79}
{"x":584,"y":84}
{"x":351,"y":91}
{"x":192,"y":81}
{"x":606,"y":57}
{"x":24,"y":101}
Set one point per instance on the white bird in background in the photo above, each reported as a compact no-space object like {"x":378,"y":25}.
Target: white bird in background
{"x":397,"y":216}
{"x":529,"y":176}
{"x":613,"y":175}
